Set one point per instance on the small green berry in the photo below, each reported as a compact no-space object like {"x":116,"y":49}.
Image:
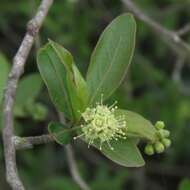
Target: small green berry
{"x":159,"y":147}
{"x":149,"y":150}
{"x":166,"y":142}
{"x":159,"y":125}
{"x":164,"y":133}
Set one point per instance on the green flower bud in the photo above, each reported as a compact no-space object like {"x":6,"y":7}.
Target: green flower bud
{"x":159,"y":125}
{"x":166,"y":142}
{"x":159,"y":147}
{"x":164,"y":133}
{"x":149,"y":149}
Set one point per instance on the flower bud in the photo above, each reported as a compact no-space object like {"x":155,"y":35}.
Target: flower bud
{"x":149,"y":150}
{"x":166,"y":142}
{"x":164,"y":133}
{"x":159,"y":125}
{"x":159,"y":147}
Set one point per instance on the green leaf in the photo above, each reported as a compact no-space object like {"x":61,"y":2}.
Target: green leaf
{"x":28,"y":88}
{"x":184,"y":184}
{"x":76,"y":85}
{"x":81,"y":87}
{"x":60,"y":183}
{"x":78,"y":92}
{"x":125,"y":152}
{"x":136,"y":125}
{"x":53,"y":72}
{"x":4,"y":70}
{"x":61,"y":134}
{"x":111,"y":57}
{"x":65,"y":84}
{"x":25,"y":102}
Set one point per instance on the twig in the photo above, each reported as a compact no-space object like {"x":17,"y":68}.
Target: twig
{"x":72,"y":162}
{"x":74,"y":170}
{"x":184,"y":30}
{"x":37,"y":42}
{"x":29,"y":142}
{"x":9,"y":94}
{"x":174,"y":8}
{"x":170,"y":37}
{"x":176,"y":74}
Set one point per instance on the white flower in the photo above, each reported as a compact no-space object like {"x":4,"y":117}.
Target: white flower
{"x":101,"y":124}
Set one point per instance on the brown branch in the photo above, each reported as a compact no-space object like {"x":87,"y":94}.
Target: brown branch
{"x":9,"y":94}
{"x":171,"y":38}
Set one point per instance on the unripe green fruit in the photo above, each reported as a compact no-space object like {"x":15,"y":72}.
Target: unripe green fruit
{"x":159,"y":125}
{"x":164,"y":133}
{"x":149,"y":149}
{"x":159,"y":147}
{"x":166,"y":142}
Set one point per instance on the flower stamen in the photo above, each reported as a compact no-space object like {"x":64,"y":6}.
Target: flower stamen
{"x":101,"y":125}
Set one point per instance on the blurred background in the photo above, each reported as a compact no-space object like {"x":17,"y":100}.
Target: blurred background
{"x":157,"y":86}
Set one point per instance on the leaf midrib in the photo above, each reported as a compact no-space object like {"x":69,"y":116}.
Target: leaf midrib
{"x":61,"y":84}
{"x":113,"y":60}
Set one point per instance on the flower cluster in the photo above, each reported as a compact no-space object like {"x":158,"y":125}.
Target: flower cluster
{"x":163,"y":140}
{"x":102,"y":125}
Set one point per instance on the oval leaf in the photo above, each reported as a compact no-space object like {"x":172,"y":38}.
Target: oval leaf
{"x":125,"y":152}
{"x":53,"y":72}
{"x":65,"y":84}
{"x":137,"y":125}
{"x":111,"y":57}
{"x":76,"y":85}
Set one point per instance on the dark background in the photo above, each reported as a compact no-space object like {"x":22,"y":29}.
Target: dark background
{"x":154,"y":87}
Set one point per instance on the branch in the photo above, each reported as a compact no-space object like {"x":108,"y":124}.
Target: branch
{"x":176,"y":74}
{"x":29,"y":142}
{"x":74,"y":170}
{"x":72,"y":162}
{"x":184,"y":30}
{"x":171,"y":38}
{"x":9,"y":94}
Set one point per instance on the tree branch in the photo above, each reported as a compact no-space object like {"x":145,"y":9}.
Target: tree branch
{"x":184,"y":30}
{"x":29,"y":142}
{"x":176,"y":74}
{"x":72,"y":162}
{"x":9,"y":94}
{"x":171,"y":38}
{"x":74,"y":170}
